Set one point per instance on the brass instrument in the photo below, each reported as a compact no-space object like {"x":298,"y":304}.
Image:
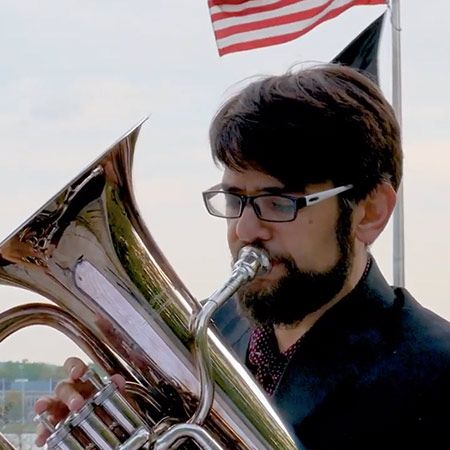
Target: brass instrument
{"x":119,"y":299}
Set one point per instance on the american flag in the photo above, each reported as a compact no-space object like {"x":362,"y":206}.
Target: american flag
{"x":248,"y":24}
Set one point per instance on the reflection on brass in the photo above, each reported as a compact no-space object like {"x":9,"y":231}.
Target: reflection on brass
{"x":89,"y":252}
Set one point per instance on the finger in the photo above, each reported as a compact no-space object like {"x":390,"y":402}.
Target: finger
{"x":42,"y":435}
{"x":42,"y":404}
{"x":74,"y":368}
{"x":119,"y":381}
{"x":54,"y":408}
{"x":69,"y":393}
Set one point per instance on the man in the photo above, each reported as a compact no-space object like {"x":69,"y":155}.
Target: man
{"x":312,"y":161}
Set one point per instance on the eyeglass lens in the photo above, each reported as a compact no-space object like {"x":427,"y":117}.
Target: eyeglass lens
{"x":268,"y":207}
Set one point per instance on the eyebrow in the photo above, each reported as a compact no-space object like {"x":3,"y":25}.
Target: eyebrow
{"x":265,"y":189}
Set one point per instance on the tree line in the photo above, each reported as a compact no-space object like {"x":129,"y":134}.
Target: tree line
{"x":12,"y":370}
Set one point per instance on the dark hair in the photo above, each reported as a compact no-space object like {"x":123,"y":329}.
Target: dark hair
{"x":326,"y":123}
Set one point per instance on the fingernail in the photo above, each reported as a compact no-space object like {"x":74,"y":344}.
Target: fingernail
{"x":74,"y":404}
{"x":74,"y":373}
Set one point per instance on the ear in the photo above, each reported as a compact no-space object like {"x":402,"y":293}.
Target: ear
{"x":374,"y":212}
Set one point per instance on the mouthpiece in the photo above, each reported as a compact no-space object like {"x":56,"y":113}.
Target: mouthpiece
{"x":254,"y":259}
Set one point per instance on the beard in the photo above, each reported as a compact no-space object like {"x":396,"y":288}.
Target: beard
{"x":299,"y":293}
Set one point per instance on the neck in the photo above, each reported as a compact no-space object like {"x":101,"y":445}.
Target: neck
{"x":287,"y":335}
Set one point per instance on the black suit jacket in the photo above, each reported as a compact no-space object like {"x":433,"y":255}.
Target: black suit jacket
{"x":372,"y":373}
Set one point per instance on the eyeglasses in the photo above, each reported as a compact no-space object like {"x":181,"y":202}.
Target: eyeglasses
{"x":267,"y":207}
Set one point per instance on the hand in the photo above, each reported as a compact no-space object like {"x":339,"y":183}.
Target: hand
{"x":70,"y":395}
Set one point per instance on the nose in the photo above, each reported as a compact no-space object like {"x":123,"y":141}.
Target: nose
{"x":248,"y":228}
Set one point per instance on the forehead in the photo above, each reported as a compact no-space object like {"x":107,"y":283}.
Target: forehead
{"x":249,"y":181}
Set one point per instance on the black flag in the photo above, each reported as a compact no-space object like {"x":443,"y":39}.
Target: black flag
{"x":362,"y":52}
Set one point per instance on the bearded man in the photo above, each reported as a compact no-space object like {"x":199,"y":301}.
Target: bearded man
{"x":312,"y":161}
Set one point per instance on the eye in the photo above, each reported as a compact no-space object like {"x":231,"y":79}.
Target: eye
{"x":275,"y":204}
{"x":280,"y":204}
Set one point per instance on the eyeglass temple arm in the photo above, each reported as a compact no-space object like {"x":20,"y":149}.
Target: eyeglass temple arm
{"x":320,"y":196}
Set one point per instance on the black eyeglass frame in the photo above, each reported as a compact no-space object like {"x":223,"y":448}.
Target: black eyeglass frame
{"x":298,"y":202}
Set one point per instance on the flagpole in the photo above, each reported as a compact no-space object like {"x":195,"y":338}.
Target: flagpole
{"x":399,"y":240}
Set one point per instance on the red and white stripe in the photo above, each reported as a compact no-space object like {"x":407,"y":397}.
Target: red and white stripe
{"x":248,"y":24}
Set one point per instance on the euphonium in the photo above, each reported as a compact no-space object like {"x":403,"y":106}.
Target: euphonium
{"x":118,"y":298}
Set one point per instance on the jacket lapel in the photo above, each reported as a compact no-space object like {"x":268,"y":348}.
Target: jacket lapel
{"x":234,"y":328}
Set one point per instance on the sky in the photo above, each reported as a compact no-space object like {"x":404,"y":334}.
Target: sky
{"x":75,"y":75}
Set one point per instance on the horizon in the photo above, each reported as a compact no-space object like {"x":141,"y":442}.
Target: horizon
{"x":76,"y":78}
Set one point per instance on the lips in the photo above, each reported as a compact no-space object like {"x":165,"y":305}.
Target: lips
{"x":277,"y":270}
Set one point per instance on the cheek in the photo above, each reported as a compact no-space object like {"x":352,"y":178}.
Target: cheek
{"x":313,"y":245}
